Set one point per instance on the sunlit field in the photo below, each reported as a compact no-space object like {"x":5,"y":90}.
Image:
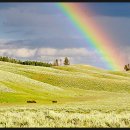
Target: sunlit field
{"x":85,"y":96}
{"x":52,"y":117}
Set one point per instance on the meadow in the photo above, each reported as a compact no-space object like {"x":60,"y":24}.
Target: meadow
{"x":86,"y":96}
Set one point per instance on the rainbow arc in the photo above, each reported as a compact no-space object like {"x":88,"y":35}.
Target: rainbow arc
{"x":94,"y":35}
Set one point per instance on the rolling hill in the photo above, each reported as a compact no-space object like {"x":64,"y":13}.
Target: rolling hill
{"x":86,"y":96}
{"x":73,"y":83}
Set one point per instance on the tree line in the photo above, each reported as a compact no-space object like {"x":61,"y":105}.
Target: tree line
{"x":28,"y":62}
{"x":34,"y":63}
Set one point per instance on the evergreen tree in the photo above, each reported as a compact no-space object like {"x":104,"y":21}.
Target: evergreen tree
{"x":66,"y":61}
{"x":127,"y":67}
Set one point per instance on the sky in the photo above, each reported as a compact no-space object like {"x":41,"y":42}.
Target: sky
{"x":40,"y":31}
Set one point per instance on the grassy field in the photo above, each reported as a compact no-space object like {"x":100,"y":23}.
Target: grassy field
{"x":86,"y":96}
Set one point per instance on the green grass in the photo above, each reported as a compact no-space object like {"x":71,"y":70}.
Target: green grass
{"x":87,"y":96}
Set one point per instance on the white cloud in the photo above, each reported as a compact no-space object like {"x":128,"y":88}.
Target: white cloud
{"x":46,"y":51}
{"x":76,"y":55}
{"x":22,"y":52}
{"x":25,"y":52}
{"x":41,"y":52}
{"x":64,"y":52}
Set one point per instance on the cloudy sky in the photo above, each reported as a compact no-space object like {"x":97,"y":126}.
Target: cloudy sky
{"x":40,"y":31}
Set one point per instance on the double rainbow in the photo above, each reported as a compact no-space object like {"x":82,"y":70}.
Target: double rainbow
{"x":93,"y":34}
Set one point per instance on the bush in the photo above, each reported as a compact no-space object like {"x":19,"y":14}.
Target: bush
{"x":127,"y":67}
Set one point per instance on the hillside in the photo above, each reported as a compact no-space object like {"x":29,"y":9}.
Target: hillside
{"x":74,"y":83}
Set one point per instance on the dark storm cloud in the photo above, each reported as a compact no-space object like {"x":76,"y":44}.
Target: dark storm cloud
{"x":51,"y":43}
{"x":42,"y":29}
{"x":116,"y":9}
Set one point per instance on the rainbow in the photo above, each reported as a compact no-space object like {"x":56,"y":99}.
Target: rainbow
{"x":93,"y":34}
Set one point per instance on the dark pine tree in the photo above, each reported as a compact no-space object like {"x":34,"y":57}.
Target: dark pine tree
{"x":66,"y":61}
